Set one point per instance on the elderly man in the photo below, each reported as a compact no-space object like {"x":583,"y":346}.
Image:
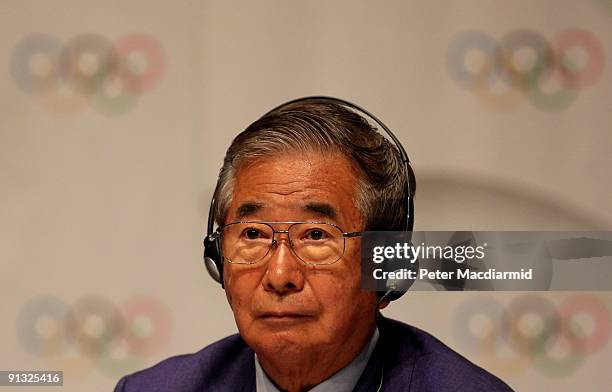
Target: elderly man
{"x":297,"y":189}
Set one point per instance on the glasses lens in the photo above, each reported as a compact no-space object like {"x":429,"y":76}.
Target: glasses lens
{"x":246,"y":243}
{"x":317,"y":243}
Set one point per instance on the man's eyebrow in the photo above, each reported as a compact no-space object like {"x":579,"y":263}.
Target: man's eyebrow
{"x":323,"y":209}
{"x":248,"y":208}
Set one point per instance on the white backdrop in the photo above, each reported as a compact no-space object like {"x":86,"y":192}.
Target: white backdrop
{"x":109,"y":198}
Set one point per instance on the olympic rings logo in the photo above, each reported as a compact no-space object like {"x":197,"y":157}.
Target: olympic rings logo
{"x":524,"y":64}
{"x":88,"y":69}
{"x":532,"y":330}
{"x":94,"y":333}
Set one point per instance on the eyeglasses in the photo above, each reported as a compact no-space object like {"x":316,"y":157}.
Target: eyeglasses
{"x":314,"y":243}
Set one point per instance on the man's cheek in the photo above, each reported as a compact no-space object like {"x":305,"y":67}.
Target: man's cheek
{"x":236,"y":292}
{"x":235,"y":297}
{"x":228,"y":295}
{"x":227,"y":277}
{"x":234,"y":282}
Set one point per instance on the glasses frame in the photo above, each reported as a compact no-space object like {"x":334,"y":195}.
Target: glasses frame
{"x":345,"y":235}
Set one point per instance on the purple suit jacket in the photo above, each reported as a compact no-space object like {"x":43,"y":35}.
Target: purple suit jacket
{"x":405,"y":359}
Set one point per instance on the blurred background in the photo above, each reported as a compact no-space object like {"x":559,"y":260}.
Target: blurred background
{"x":115,"y":116}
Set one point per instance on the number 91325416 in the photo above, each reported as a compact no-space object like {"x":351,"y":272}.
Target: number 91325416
{"x":30,"y":378}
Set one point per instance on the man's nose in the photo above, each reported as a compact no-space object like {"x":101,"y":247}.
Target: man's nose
{"x":284,"y":274}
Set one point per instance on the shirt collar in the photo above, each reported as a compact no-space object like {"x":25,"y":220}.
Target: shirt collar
{"x":342,"y":381}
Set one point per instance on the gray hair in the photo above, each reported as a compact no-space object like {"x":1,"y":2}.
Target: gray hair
{"x":326,"y":127}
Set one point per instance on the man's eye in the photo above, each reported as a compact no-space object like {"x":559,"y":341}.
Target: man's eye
{"x":252,"y":234}
{"x":316,"y":235}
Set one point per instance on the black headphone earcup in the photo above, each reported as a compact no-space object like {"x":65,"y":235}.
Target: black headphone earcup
{"x":212,"y":259}
{"x":392,"y":295}
{"x":398,"y":287}
{"x":212,"y":269}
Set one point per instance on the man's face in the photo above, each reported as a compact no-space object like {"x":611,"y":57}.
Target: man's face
{"x":282,"y":306}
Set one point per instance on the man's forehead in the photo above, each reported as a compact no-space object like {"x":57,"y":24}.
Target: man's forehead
{"x":318,"y":208}
{"x":332,"y":163}
{"x":295,"y":187}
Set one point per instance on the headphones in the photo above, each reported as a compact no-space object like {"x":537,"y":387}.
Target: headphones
{"x":213,"y":259}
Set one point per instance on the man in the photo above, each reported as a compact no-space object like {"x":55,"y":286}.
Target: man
{"x":297,"y":189}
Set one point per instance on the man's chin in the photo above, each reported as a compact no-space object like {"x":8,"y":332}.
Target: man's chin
{"x":279,"y":337}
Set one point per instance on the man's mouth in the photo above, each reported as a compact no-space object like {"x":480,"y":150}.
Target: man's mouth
{"x":284,"y":316}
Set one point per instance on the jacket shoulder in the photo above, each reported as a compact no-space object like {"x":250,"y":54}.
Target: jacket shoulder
{"x":435,"y":366}
{"x":213,"y":365}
